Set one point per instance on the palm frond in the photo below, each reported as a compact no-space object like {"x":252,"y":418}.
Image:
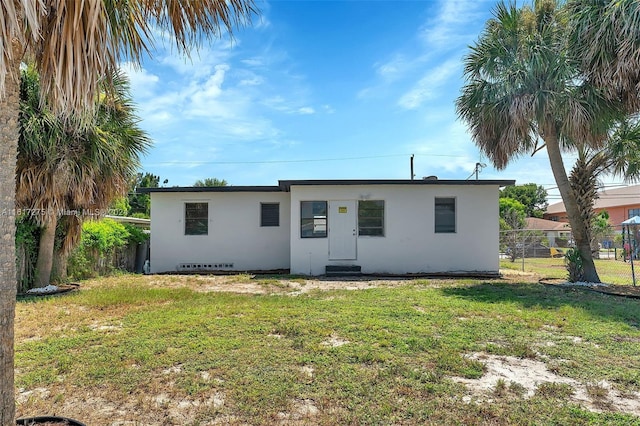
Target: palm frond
{"x":19,"y":25}
{"x":65,"y":164}
{"x":605,"y":36}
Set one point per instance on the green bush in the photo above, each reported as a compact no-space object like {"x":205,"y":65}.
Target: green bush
{"x":573,"y":262}
{"x":136,"y":235}
{"x":104,"y":236}
{"x":101,"y":240}
{"x":27,"y":238}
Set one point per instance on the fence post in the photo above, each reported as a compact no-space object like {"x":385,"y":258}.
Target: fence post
{"x":522,"y":243}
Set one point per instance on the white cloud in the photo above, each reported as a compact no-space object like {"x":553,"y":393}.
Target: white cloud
{"x":253,"y":62}
{"x":453,"y":26}
{"x":143,"y":83}
{"x":200,"y":62}
{"x":280,"y":104}
{"x":252,"y":81}
{"x":427,"y":87}
{"x":212,"y":88}
{"x":395,"y":67}
{"x":306,"y":110}
{"x":450,"y":27}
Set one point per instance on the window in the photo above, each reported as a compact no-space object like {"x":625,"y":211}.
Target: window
{"x":445,"y":214}
{"x":371,"y":218}
{"x":633,"y":212}
{"x":269,"y":214}
{"x":196,"y":218}
{"x":313,"y":219}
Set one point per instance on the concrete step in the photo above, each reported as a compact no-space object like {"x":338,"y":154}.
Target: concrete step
{"x":342,"y":270}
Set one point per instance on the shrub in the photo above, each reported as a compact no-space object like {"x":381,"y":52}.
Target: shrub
{"x":136,"y":235}
{"x":101,"y":239}
{"x":573,"y":263}
{"x":27,"y":238}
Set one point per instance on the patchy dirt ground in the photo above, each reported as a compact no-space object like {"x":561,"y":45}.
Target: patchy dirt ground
{"x":500,"y":371}
{"x":255,"y":284}
{"x":529,"y":375}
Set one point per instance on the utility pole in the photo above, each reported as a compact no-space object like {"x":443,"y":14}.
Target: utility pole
{"x":479,"y":166}
{"x":412,"y":175}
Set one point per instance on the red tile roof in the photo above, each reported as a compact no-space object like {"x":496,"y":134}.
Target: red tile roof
{"x":546,"y":225}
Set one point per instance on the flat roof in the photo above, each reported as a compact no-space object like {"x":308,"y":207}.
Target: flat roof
{"x":211,"y":189}
{"x":341,"y":182}
{"x":285,"y":185}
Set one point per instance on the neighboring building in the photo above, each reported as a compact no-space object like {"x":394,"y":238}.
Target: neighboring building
{"x":310,"y":226}
{"x":550,"y":228}
{"x":620,"y":203}
{"x":136,"y":221}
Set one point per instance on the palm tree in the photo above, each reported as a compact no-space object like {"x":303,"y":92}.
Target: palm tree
{"x":210,"y":182}
{"x":605,"y":36}
{"x":620,"y":156}
{"x":73,"y":45}
{"x":522,"y":88}
{"x":74,"y":167}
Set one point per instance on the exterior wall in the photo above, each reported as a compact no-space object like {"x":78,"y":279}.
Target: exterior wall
{"x":410,"y":244}
{"x":617,"y":214}
{"x":235,"y":235}
{"x":552,"y":235}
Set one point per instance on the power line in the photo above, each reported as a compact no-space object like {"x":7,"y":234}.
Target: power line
{"x":312,"y":160}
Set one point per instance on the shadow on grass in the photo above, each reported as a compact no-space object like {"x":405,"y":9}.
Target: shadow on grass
{"x":530,"y":295}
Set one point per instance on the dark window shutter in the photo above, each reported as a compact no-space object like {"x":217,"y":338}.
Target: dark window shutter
{"x":270,"y":214}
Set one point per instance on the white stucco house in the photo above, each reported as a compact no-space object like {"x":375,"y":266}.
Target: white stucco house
{"x":310,"y":227}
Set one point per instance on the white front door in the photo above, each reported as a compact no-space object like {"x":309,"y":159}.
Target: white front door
{"x":342,"y":230}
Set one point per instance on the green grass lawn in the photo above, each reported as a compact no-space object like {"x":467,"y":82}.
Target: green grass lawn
{"x":610,"y":271}
{"x":161,"y":350}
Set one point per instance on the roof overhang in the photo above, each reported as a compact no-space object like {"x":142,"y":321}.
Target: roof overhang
{"x":285,"y":185}
{"x":210,"y":189}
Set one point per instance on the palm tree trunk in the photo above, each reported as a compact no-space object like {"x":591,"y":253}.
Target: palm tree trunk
{"x":584,"y":182}
{"x":579,"y":227}
{"x":44,"y":264}
{"x":9,"y":109}
{"x":60,"y":261}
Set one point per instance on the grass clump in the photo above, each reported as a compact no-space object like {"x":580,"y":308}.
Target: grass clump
{"x":555,"y":390}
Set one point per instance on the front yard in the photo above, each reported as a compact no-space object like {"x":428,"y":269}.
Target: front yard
{"x":190,"y":350}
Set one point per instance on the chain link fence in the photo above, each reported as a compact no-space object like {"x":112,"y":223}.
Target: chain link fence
{"x":529,"y":250}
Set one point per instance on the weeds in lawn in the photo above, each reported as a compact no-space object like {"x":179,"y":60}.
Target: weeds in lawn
{"x":517,"y":389}
{"x":500,"y":388}
{"x":166,"y":351}
{"x":597,"y":391}
{"x":554,"y":390}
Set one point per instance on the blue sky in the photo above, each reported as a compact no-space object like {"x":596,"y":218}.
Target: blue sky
{"x":321,"y":90}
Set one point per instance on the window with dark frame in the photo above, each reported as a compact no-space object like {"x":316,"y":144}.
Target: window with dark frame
{"x":633,"y":212}
{"x":445,"y":215}
{"x":269,"y":214}
{"x":196,"y":218}
{"x":313,"y":219}
{"x":371,"y":218}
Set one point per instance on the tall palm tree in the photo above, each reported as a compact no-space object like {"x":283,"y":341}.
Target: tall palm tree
{"x":76,"y":166}
{"x":523,"y":87}
{"x":73,"y":45}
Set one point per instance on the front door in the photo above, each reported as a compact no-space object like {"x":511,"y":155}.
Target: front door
{"x":342,"y":230}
